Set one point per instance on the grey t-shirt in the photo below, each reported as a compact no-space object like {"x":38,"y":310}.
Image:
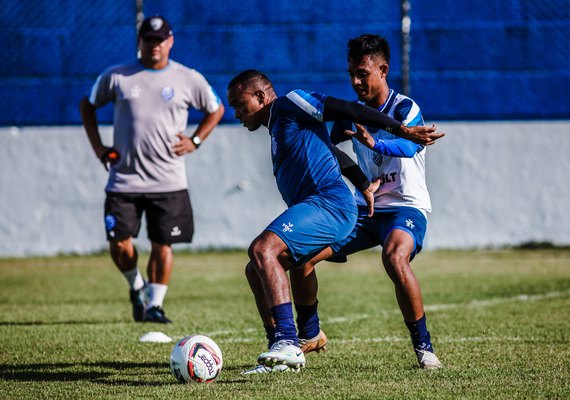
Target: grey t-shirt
{"x":150,"y":108}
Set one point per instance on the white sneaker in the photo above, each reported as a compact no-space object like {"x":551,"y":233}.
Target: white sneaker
{"x":263,"y":369}
{"x":428,"y":360}
{"x":283,"y":352}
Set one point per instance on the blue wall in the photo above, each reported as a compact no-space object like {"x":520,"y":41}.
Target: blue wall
{"x":470,"y":60}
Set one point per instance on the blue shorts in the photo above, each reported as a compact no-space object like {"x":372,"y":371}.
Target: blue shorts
{"x":310,"y":226}
{"x":372,"y":231}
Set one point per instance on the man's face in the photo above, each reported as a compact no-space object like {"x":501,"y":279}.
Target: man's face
{"x":246,"y":105}
{"x":367,"y":77}
{"x":154,"y":50}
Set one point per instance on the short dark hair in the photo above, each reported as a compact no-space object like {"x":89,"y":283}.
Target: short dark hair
{"x":365,"y":45}
{"x":250,"y":77}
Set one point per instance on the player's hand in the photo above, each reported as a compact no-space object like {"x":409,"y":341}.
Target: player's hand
{"x":368,"y":195}
{"x":183,"y":145}
{"x":425,"y":135}
{"x":361,"y":135}
{"x":110,"y":157}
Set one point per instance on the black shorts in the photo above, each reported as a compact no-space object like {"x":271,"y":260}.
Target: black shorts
{"x":168,"y":216}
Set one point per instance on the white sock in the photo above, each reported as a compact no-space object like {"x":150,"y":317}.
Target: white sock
{"x":156,"y":293}
{"x":134,"y":278}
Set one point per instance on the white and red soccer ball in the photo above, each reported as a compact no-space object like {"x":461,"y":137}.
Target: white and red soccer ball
{"x":196,"y":358}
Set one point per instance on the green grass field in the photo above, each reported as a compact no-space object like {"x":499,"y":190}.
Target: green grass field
{"x":499,"y":321}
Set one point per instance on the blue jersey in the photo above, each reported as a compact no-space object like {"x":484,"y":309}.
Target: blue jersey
{"x":303,"y":163}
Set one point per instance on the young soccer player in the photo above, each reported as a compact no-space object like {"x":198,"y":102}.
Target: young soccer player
{"x":321,"y":209}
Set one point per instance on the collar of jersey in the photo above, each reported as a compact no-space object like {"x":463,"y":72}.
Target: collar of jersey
{"x":382,"y":106}
{"x":156,"y":71}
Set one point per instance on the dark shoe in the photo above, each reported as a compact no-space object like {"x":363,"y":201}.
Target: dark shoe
{"x":138,"y":300}
{"x":156,"y":314}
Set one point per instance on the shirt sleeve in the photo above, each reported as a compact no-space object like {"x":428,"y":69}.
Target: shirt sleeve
{"x":102,"y":91}
{"x":408,"y":112}
{"x":204,"y":98}
{"x":310,"y":103}
{"x":398,"y":147}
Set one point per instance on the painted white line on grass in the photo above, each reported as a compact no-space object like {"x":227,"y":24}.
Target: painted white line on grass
{"x":394,"y":339}
{"x":434,"y":307}
{"x":471,"y":304}
{"x":499,"y":300}
{"x":444,"y":339}
{"x":231,"y":332}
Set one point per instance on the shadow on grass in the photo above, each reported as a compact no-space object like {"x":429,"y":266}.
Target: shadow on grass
{"x":40,"y":323}
{"x":106,"y":373}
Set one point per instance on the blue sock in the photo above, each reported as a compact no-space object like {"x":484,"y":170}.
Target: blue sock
{"x":270,"y":335}
{"x":284,"y":323}
{"x":308,"y":321}
{"x":419,"y":334}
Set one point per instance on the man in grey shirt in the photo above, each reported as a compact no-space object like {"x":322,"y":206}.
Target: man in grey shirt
{"x":151,"y":97}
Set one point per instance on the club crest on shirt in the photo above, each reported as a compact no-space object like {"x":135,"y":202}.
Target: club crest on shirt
{"x":167,"y":93}
{"x":378,"y":158}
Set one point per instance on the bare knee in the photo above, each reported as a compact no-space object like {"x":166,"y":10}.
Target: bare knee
{"x":397,"y":264}
{"x":259,"y":252}
{"x":121,"y":248}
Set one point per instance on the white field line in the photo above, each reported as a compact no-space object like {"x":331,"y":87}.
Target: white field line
{"x":393,"y":339}
{"x":434,"y":307}
{"x":521,"y":298}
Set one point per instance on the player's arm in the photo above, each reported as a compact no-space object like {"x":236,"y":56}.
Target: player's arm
{"x":354,"y":174}
{"x":337,"y":109}
{"x":107,"y":155}
{"x":398,"y":147}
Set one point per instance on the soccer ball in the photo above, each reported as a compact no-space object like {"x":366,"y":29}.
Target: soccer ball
{"x":196,"y":358}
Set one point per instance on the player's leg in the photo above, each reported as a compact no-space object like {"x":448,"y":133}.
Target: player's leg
{"x":264,"y":310}
{"x":122,"y":222}
{"x":403,"y":240}
{"x":396,"y":253}
{"x":169,"y":220}
{"x":263,"y":306}
{"x":304,"y":287}
{"x":264,"y":255}
{"x":159,"y":271}
{"x":302,"y":231}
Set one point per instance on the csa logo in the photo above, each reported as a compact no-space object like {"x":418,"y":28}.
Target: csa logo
{"x":110,"y":223}
{"x":167,"y":93}
{"x":156,"y":24}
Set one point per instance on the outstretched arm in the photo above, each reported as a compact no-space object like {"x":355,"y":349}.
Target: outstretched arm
{"x":398,"y":147}
{"x":337,"y":109}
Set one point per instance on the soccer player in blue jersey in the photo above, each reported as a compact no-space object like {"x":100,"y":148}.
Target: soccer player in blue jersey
{"x":401,"y":205}
{"x":321,"y":209}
